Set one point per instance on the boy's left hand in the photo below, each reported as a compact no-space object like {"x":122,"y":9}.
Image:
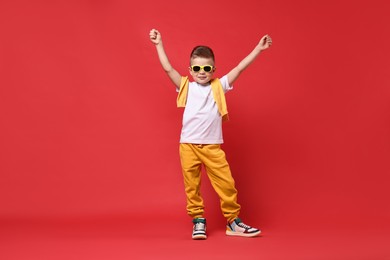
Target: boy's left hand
{"x":265,"y":42}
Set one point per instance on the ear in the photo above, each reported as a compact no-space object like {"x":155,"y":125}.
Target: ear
{"x":190,"y":71}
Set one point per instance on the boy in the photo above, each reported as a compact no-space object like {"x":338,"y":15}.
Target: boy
{"x":201,"y":135}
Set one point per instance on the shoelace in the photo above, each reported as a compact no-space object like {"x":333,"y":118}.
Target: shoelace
{"x":243,"y":225}
{"x":199,"y":226}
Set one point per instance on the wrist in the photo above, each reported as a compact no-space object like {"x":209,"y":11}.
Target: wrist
{"x":259,"y":48}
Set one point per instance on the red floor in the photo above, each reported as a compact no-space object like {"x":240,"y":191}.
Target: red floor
{"x":169,"y":238}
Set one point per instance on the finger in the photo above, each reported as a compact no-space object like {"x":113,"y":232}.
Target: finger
{"x":153,"y":32}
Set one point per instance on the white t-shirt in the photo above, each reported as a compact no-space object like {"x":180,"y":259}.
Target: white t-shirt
{"x":202,"y":123}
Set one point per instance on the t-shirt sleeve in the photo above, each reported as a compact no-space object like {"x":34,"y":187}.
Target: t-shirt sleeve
{"x":225,"y":84}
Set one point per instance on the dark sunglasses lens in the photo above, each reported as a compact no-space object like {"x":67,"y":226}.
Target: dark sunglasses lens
{"x":207,"y":68}
{"x":196,"y":68}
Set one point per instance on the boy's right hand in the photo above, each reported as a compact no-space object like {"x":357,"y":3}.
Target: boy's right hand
{"x":155,"y":36}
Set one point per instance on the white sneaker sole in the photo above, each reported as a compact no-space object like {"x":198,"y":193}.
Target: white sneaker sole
{"x":240,"y":234}
{"x":199,"y":237}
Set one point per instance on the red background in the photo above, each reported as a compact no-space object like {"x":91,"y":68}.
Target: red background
{"x":90,"y":129}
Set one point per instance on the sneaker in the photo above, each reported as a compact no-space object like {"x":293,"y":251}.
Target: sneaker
{"x":199,"y":230}
{"x":238,"y":228}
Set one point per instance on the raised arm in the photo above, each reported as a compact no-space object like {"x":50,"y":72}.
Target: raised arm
{"x":264,"y":43}
{"x":155,"y":37}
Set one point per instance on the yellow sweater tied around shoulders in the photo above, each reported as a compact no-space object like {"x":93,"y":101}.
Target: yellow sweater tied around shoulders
{"x":218,"y":94}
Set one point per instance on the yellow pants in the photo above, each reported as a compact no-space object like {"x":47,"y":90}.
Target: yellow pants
{"x":192,"y":157}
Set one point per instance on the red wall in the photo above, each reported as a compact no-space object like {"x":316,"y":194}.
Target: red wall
{"x":89,"y":124}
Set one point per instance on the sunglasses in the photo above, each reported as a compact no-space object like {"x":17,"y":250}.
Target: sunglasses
{"x":206,"y":68}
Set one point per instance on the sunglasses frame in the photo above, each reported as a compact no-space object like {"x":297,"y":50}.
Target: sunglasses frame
{"x":202,"y":68}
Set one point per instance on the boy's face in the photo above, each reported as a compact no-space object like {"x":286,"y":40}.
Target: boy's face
{"x":202,"y":77}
